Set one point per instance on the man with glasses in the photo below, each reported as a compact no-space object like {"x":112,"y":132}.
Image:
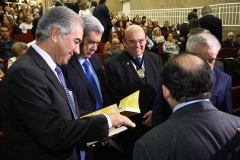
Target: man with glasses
{"x":135,"y":69}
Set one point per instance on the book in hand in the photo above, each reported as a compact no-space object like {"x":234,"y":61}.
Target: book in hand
{"x":129,"y":105}
{"x":107,"y":110}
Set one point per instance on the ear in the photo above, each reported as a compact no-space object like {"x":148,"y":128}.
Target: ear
{"x":166,"y":92}
{"x":55,"y":33}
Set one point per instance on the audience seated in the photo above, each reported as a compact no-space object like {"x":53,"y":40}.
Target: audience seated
{"x":121,"y":25}
{"x":115,"y":50}
{"x":26,"y":25}
{"x":5,"y":45}
{"x":170,"y":47}
{"x":228,"y":43}
{"x":18,"y":49}
{"x":237,"y":43}
{"x":156,"y":36}
{"x":149,"y":45}
{"x":166,"y":26}
{"x":107,"y":46}
{"x":12,"y":26}
{"x":84,"y":10}
{"x":20,"y":18}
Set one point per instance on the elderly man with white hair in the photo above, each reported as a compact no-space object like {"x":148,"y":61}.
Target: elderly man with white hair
{"x":228,"y":43}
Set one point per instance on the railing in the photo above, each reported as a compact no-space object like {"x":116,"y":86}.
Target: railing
{"x":229,"y":13}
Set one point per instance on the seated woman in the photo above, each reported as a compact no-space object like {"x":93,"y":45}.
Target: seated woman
{"x":12,"y":26}
{"x":84,"y":10}
{"x":169,"y":46}
{"x":121,"y":25}
{"x":18,"y":49}
{"x":107,"y":46}
{"x":156,"y":36}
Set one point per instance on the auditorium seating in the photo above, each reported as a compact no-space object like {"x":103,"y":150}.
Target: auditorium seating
{"x":160,"y":47}
{"x":5,"y":64}
{"x":26,"y":38}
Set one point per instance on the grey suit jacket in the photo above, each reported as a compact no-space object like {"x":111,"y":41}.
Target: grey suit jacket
{"x":38,"y":122}
{"x":196,"y":131}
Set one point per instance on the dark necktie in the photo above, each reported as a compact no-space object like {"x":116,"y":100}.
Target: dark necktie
{"x":62,"y":80}
{"x":93,"y":85}
{"x":138,"y":60}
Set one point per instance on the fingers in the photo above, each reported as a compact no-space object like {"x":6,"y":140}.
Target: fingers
{"x":117,"y":120}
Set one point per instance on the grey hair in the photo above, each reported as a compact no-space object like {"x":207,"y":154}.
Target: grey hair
{"x":204,"y":39}
{"x":196,"y":31}
{"x":60,"y":17}
{"x":92,"y":24}
{"x":207,"y":9}
{"x":230,"y":33}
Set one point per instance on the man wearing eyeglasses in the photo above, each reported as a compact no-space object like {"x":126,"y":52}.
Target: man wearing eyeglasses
{"x":135,"y":69}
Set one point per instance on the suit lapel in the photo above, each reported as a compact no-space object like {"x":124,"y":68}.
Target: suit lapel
{"x":127,"y":63}
{"x":48,"y":71}
{"x":76,"y":65}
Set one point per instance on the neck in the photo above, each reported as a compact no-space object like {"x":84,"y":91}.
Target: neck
{"x":5,"y":39}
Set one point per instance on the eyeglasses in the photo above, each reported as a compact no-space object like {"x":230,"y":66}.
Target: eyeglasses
{"x":132,"y":42}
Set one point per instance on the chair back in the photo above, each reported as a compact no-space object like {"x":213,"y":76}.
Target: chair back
{"x":5,"y":64}
{"x":235,"y":99}
{"x":160,"y":47}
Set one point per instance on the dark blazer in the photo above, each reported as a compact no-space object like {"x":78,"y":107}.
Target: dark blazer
{"x":213,"y":24}
{"x":228,"y":44}
{"x":78,"y":81}
{"x":71,"y":6}
{"x":101,"y":12}
{"x":196,"y":131}
{"x":122,"y":80}
{"x":221,"y":96}
{"x":38,"y":122}
{"x":219,"y":64}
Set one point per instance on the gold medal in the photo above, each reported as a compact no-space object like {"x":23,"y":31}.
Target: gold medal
{"x":141,"y":73}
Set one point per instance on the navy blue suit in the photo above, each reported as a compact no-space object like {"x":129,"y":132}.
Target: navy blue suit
{"x":221,"y":96}
{"x":77,"y":79}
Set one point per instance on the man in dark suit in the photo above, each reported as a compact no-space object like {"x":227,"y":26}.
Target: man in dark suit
{"x":228,"y":43}
{"x":237,"y":43}
{"x":211,"y":23}
{"x":101,"y":12}
{"x":135,"y":69}
{"x":71,"y":5}
{"x":40,"y":119}
{"x":208,"y":46}
{"x":196,"y":129}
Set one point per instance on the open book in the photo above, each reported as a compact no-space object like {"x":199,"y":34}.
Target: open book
{"x":127,"y":107}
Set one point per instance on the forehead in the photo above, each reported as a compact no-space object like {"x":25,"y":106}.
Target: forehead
{"x":3,"y":29}
{"x":93,"y":36}
{"x":134,"y":33}
{"x":208,"y":53}
{"x":77,"y":30}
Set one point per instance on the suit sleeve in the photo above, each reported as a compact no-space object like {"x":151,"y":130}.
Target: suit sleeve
{"x":30,"y":97}
{"x":140,"y":151}
{"x":229,"y":96}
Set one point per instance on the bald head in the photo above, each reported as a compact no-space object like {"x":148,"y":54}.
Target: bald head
{"x":187,"y":76}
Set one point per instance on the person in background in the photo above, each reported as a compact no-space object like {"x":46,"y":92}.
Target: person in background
{"x":169,"y":46}
{"x":18,"y":49}
{"x":156,"y":36}
{"x":84,"y":10}
{"x":229,"y":43}
{"x":166,"y":26}
{"x":193,"y":23}
{"x":46,"y":117}
{"x":26,"y":25}
{"x":12,"y":26}
{"x":237,"y":42}
{"x":107,"y":46}
{"x":196,"y":129}
{"x":94,"y":4}
{"x":20,"y":18}
{"x":115,"y":50}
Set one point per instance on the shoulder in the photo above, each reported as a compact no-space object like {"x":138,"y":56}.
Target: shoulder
{"x":219,"y":73}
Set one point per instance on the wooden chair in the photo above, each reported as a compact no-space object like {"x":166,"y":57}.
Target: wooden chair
{"x":225,"y":53}
{"x":160,"y":47}
{"x":235,"y":100}
{"x":26,"y":38}
{"x":5,"y":64}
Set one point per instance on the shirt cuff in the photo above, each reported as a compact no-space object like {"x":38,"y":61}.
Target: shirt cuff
{"x":109,"y":121}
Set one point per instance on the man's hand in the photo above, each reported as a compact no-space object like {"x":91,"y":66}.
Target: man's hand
{"x":238,"y":129}
{"x":148,"y":117}
{"x":117,"y":119}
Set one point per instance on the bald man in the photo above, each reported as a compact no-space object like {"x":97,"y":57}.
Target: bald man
{"x":135,"y":69}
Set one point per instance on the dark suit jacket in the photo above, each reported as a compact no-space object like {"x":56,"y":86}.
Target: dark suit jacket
{"x":219,"y":65}
{"x":101,"y":12}
{"x":78,"y":81}
{"x":213,"y":24}
{"x":196,"y":131}
{"x":123,"y":80}
{"x":228,"y":44}
{"x":38,"y":122}
{"x":71,"y":6}
{"x":221,"y":96}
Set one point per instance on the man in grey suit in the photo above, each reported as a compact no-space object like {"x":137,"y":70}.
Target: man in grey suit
{"x":39,"y":116}
{"x":196,"y":129}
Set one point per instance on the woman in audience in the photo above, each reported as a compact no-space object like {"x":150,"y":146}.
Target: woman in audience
{"x":156,"y":36}
{"x":121,"y":25}
{"x":12,"y":26}
{"x":193,"y":23}
{"x":20,"y":18}
{"x":169,"y":46}
{"x":84,"y":11}
{"x":18,"y":49}
{"x":107,"y":46}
